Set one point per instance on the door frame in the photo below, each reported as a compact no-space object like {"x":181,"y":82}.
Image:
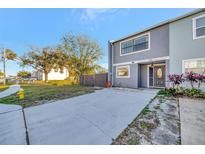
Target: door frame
{"x":148,"y":66}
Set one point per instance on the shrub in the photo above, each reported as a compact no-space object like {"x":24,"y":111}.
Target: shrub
{"x":167,"y":92}
{"x":195,"y":78}
{"x":176,"y":80}
{"x":193,"y":93}
{"x":200,"y":79}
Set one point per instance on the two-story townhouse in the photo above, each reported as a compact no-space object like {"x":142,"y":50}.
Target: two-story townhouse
{"x":145,"y":58}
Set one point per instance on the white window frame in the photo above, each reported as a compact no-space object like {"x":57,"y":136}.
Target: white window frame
{"x":185,"y":60}
{"x":149,"y":43}
{"x":148,"y":66}
{"x":194,"y":27}
{"x":125,"y":66}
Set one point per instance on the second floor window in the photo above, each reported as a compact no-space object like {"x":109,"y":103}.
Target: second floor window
{"x":140,"y":43}
{"x":199,"y":27}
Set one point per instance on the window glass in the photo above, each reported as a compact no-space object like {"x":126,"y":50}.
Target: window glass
{"x":200,"y":32}
{"x":200,"y":27}
{"x":195,"y":66}
{"x":137,"y":44}
{"x":200,"y":22}
{"x":123,"y":71}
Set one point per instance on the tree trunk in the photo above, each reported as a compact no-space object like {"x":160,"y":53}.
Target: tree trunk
{"x":46,"y":77}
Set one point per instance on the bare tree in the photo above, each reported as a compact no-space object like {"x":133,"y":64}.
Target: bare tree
{"x":42,"y":59}
{"x":82,"y":53}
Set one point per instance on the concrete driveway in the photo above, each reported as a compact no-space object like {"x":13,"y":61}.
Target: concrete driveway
{"x":93,"y":118}
{"x":11,"y":90}
{"x":12,"y":128}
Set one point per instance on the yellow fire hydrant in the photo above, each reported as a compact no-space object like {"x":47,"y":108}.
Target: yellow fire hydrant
{"x":21,"y":94}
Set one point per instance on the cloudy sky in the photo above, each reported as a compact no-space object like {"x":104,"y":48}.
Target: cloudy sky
{"x":21,"y":28}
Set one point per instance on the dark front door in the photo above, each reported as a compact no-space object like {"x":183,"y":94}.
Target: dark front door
{"x":159,"y":76}
{"x":151,"y":77}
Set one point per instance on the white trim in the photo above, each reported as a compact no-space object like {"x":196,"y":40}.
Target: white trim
{"x":125,"y":63}
{"x":148,"y":66}
{"x":160,"y":24}
{"x":112,"y":64}
{"x":149,"y":44}
{"x":185,"y":60}
{"x":194,"y":27}
{"x":125,"y":66}
{"x":142,"y":61}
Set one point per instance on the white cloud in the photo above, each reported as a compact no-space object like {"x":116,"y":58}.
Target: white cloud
{"x":100,"y":14}
{"x":90,"y":14}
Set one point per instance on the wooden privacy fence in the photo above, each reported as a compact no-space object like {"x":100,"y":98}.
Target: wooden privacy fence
{"x":98,"y":80}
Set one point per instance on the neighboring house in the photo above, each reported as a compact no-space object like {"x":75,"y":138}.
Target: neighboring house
{"x":53,"y":75}
{"x":145,"y":58}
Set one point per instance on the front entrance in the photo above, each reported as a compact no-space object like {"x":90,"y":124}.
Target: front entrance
{"x":156,"y":76}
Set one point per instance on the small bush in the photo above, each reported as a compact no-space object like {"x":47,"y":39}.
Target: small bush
{"x":167,"y":92}
{"x":195,"y":78}
{"x":176,"y":79}
{"x":145,"y":111}
{"x":134,"y":141}
{"x":193,"y":93}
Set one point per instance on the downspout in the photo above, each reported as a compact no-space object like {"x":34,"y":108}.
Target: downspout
{"x":112,"y":61}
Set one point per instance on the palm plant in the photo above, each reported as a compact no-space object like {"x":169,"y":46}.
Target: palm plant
{"x":6,"y":54}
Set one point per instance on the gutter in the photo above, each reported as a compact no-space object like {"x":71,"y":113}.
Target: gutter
{"x":161,"y":24}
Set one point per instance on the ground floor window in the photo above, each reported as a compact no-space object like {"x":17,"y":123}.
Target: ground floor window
{"x":194,"y":65}
{"x":123,"y":71}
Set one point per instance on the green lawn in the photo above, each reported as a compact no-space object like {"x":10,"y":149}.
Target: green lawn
{"x":40,"y":94}
{"x":2,"y":87}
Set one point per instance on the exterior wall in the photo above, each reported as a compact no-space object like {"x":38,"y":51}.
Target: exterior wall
{"x":131,"y":82}
{"x":143,"y":75}
{"x":38,"y":75}
{"x":174,"y":40}
{"x":159,"y":47}
{"x":182,"y":45}
{"x":109,"y":62}
{"x":56,"y":75}
{"x":167,"y":72}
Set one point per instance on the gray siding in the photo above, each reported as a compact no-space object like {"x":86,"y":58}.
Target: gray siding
{"x":182,"y":46}
{"x":109,"y":62}
{"x":131,"y":82}
{"x":143,"y":76}
{"x":167,"y":72}
{"x":159,"y":47}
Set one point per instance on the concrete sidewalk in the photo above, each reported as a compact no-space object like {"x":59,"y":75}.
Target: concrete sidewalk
{"x":11,"y":90}
{"x":12,"y":129}
{"x":192,"y":117}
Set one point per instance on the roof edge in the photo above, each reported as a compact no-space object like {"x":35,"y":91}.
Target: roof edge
{"x":161,"y":24}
